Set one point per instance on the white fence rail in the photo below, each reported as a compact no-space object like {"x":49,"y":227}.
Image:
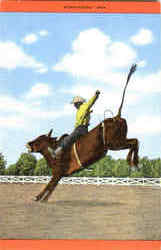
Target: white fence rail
{"x":84,"y":180}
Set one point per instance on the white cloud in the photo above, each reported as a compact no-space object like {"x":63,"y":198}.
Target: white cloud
{"x":21,"y":112}
{"x":32,"y":38}
{"x":13,"y":56}
{"x":87,"y":40}
{"x":43,"y":33}
{"x":11,"y":104}
{"x":148,"y":84}
{"x":94,"y":55}
{"x":14,"y":122}
{"x":39,"y":90}
{"x":143,"y":37}
{"x":42,"y":70}
{"x":80,"y":89}
{"x":147,"y":124}
{"x":29,"y":39}
{"x":142,"y":64}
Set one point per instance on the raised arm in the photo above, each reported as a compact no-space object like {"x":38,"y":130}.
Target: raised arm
{"x":93,"y":99}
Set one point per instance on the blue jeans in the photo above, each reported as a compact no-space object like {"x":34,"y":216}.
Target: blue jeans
{"x":74,"y":136}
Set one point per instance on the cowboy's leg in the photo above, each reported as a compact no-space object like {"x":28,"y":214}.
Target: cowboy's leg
{"x":74,"y":136}
{"x":69,"y":140}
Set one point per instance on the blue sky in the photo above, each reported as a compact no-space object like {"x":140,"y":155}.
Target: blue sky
{"x":46,"y":59}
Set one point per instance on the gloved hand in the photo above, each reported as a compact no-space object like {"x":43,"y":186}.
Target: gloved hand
{"x":97,"y":92}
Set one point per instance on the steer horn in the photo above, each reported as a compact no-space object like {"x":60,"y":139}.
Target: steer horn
{"x":49,"y":134}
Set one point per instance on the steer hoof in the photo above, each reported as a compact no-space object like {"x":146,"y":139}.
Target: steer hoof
{"x":36,"y":198}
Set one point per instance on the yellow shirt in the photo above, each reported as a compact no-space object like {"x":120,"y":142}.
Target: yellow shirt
{"x":83,"y":113}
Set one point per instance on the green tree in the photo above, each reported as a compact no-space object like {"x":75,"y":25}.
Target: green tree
{"x":120,"y":169}
{"x":136,"y":174}
{"x":26,"y":164}
{"x":101,"y":168}
{"x":42,"y":168}
{"x":146,"y":167}
{"x":156,"y":168}
{"x":109,"y":164}
{"x":149,"y":168}
{"x":12,"y":170}
{"x":2,"y":164}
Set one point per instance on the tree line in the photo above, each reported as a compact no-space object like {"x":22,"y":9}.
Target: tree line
{"x":28,"y":165}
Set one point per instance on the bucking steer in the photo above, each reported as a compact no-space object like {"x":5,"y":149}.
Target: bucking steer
{"x":110,"y":134}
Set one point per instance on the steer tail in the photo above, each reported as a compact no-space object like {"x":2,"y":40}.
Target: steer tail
{"x":132,"y":70}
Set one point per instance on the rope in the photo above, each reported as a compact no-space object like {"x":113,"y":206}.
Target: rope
{"x":103,"y":126}
{"x":76,"y":155}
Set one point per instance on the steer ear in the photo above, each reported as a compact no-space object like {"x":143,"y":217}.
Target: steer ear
{"x":49,"y":135}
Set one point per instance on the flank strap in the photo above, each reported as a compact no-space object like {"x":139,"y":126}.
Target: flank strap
{"x":76,"y":155}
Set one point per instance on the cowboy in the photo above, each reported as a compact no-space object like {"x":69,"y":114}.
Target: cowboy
{"x":81,"y":124}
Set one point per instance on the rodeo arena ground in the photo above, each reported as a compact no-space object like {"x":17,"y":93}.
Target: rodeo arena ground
{"x":81,"y":208}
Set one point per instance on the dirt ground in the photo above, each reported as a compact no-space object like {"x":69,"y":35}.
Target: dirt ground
{"x":81,"y":212}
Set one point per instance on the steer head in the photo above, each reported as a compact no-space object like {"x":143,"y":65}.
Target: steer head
{"x":41,"y":143}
